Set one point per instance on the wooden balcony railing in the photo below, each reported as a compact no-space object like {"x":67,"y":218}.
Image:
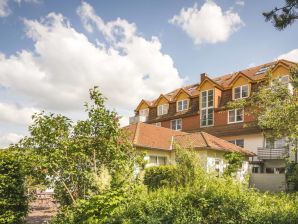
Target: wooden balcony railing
{"x":264,"y":153}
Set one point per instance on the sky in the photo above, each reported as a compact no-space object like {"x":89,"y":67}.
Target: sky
{"x":52,"y":52}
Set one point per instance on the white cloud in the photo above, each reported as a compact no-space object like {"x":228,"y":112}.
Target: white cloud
{"x":10,"y":138}
{"x":209,"y":24}
{"x":291,"y":55}
{"x":27,"y":1}
{"x":4,"y":9}
{"x":15,"y":114}
{"x":64,"y":64}
{"x":240,"y":2}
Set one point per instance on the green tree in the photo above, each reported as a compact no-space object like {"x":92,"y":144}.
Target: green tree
{"x":80,"y":159}
{"x":284,"y":16}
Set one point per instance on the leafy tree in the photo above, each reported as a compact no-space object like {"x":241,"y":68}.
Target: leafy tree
{"x":13,"y":195}
{"x":235,"y":161}
{"x":80,"y":159}
{"x":284,"y":16}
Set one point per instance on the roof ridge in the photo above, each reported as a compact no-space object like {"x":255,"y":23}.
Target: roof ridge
{"x":202,"y":134}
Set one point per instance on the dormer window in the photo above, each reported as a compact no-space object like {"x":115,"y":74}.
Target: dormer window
{"x":162,"y":109}
{"x":182,"y":105}
{"x":144,"y":112}
{"x":207,"y":108}
{"x":240,"y":92}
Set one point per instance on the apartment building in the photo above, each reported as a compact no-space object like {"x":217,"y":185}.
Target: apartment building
{"x":203,"y":107}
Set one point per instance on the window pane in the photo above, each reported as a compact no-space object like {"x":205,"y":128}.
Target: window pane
{"x":240,"y":142}
{"x":184,"y":104}
{"x":204,"y":117}
{"x":204,"y":99}
{"x":237,"y":93}
{"x":245,"y":91}
{"x":280,"y":143}
{"x":231,"y":116}
{"x":239,"y":113}
{"x":210,"y":98}
{"x":161,"y":160}
{"x":153,"y":159}
{"x":173,"y":124}
{"x":210,"y":116}
{"x":284,"y":79}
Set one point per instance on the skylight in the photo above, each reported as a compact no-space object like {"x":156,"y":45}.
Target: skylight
{"x":263,"y":70}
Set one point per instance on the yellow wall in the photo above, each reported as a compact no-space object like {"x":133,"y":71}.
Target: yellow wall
{"x":162,"y":101}
{"x":240,"y":81}
{"x":182,"y":96}
{"x":280,"y":71}
{"x":143,"y":106}
{"x":207,"y":85}
{"x":153,"y":152}
{"x":217,"y":95}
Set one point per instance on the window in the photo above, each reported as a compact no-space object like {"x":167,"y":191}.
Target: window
{"x":256,"y":169}
{"x":182,"y":105}
{"x":282,"y":79}
{"x":235,"y":116}
{"x":176,"y":124}
{"x":240,"y":92}
{"x":158,"y":124}
{"x":207,"y":108}
{"x":162,"y":109}
{"x":238,"y":142}
{"x":157,"y":160}
{"x":144,"y":112}
{"x":275,"y":144}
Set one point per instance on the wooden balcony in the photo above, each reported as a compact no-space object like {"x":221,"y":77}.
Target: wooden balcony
{"x":264,"y":153}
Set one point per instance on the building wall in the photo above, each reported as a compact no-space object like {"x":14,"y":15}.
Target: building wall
{"x":268,"y":182}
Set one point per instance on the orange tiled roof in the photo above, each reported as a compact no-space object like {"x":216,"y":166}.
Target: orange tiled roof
{"x":151,"y":136}
{"x":225,"y":80}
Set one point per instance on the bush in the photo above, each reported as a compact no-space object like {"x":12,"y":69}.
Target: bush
{"x":161,"y":176}
{"x":13,"y":199}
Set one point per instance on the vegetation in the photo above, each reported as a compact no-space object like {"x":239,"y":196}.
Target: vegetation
{"x":284,"y":16}
{"x":234,"y":161}
{"x":13,"y":195}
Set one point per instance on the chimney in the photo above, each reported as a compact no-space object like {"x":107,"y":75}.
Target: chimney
{"x":203,"y":75}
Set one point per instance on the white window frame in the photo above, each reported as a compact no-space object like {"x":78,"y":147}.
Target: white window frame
{"x":234,"y":141}
{"x":164,"y":109}
{"x":176,"y":120}
{"x":144,"y":112}
{"x":207,"y":107}
{"x":183,"y":109}
{"x":241,"y":87}
{"x":235,"y":116}
{"x":157,"y":160}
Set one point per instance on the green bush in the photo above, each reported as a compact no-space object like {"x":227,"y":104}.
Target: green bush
{"x":13,"y":199}
{"x":160,"y":176}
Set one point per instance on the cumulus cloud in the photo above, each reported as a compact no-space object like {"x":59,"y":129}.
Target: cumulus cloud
{"x":10,"y":138}
{"x":64,"y":64}
{"x":291,"y":55}
{"x":12,"y":113}
{"x":208,"y":24}
{"x":4,"y":9}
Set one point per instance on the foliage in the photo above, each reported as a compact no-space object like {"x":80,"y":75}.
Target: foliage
{"x":73,"y":158}
{"x":234,"y":161}
{"x":13,"y":198}
{"x":161,"y":176}
{"x":292,"y":175}
{"x":283,"y":16}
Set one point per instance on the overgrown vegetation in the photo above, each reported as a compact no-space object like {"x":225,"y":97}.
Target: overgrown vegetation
{"x":13,"y":195}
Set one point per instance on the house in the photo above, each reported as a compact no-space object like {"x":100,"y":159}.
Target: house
{"x":203,"y":107}
{"x":159,"y":146}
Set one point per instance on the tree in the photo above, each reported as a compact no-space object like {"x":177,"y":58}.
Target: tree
{"x":284,"y":16}
{"x":80,"y":159}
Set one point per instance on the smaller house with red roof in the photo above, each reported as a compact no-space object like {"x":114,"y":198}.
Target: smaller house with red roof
{"x":159,"y":143}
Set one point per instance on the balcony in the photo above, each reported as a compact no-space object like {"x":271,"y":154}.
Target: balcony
{"x":136,"y":119}
{"x":280,"y":153}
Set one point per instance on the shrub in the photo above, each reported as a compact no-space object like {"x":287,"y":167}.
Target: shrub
{"x":160,"y":176}
{"x":13,"y":199}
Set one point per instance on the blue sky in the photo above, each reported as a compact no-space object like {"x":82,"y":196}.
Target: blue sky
{"x":52,"y":51}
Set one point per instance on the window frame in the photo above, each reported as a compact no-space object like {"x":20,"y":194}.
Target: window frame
{"x":241,"y":93}
{"x":176,"y":124}
{"x":164,"y":109}
{"x":183,"y":109}
{"x":157,"y":158}
{"x":234,"y":141}
{"x":206,"y":107}
{"x":157,"y":124}
{"x":235,"y":116}
{"x":146,"y":109}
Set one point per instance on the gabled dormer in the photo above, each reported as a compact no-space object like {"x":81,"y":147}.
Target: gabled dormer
{"x":280,"y":72}
{"x":241,"y":86}
{"x":182,"y":99}
{"x":143,"y":108}
{"x":162,"y":104}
